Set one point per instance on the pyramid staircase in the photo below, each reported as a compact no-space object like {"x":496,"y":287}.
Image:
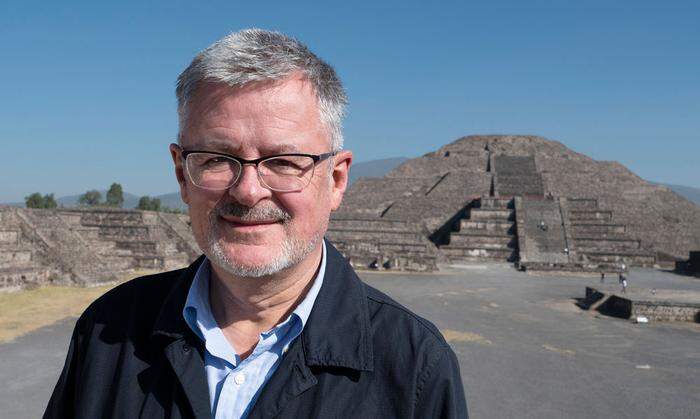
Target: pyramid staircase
{"x":487,"y":233}
{"x":598,"y":239}
{"x":62,"y":248}
{"x":20,"y":260}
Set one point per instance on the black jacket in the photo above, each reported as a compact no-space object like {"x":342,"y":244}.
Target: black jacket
{"x":360,"y":355}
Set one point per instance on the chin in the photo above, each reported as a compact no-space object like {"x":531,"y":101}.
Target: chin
{"x":258,"y":261}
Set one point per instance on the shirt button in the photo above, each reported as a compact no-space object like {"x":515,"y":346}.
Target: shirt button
{"x":239,"y":378}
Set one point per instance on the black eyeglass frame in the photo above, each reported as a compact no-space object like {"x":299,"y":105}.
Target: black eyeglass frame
{"x":317,"y":158}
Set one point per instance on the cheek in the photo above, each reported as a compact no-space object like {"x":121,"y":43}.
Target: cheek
{"x":200,"y":209}
{"x":309,"y":213}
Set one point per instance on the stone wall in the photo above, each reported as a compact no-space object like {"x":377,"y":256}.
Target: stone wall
{"x":666,"y":311}
{"x":377,"y":243}
{"x":83,"y":246}
{"x":373,"y":196}
{"x":436,"y":205}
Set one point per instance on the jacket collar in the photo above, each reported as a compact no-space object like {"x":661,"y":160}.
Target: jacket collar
{"x":337,"y":333}
{"x":170,"y":322}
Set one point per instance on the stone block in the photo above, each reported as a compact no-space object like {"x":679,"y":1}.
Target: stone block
{"x":10,"y":237}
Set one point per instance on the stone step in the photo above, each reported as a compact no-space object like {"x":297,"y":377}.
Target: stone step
{"x":594,"y":229}
{"x":121,"y":232}
{"x":495,"y":242}
{"x":140,"y":246}
{"x":482,"y":214}
{"x":488,"y":226}
{"x":149,"y":262}
{"x":578,"y":216}
{"x":370,"y":224}
{"x":496,"y":203}
{"x":582,"y":204}
{"x":461,"y":252}
{"x":10,"y":258}
{"x":88,"y":233}
{"x":90,"y":219}
{"x":378,"y":248}
{"x":595,"y":267}
{"x":596,"y":244}
{"x":639,"y":258}
{"x":21,"y":276}
{"x":176,"y":261}
{"x":403,"y":248}
{"x":118,"y":262}
{"x":365,"y":258}
{"x":493,"y":232}
{"x":338,"y":234}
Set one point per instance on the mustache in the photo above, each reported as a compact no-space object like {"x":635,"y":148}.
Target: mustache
{"x":257,"y":213}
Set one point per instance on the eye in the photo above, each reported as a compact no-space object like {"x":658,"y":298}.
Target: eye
{"x":282,"y":163}
{"x":215,"y":160}
{"x":204,"y":161}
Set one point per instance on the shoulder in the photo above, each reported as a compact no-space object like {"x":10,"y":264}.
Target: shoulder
{"x":140,"y":289}
{"x":404,"y":341}
{"x":394,"y":318}
{"x":132,"y":305}
{"x":411,"y":350}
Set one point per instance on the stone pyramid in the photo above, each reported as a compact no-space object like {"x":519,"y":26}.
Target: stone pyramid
{"x":521,"y":199}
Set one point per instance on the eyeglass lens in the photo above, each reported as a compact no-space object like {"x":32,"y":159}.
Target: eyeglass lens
{"x":284,"y":173}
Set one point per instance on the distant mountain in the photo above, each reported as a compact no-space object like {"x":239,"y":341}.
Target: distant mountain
{"x":374,"y":168}
{"x":172,"y":200}
{"x":687,"y":192}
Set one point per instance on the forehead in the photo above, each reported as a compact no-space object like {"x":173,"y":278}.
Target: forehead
{"x":280,"y":114}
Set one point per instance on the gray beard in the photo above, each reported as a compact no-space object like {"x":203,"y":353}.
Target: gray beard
{"x":292,"y":250}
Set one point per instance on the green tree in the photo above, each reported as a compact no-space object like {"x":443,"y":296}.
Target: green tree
{"x":149,"y":204}
{"x":90,"y":198}
{"x":171,"y":210}
{"x":49,"y":201}
{"x":115,"y":196}
{"x":36,"y":200}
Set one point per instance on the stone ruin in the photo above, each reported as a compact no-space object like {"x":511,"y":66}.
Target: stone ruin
{"x":520,"y":199}
{"x":84,"y":246}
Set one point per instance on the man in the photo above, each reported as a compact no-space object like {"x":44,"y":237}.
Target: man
{"x":272,"y":321}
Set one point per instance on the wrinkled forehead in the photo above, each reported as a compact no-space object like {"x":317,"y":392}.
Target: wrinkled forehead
{"x":287,"y":91}
{"x":270,"y":110}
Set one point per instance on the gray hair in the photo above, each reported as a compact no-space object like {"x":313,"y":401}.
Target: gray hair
{"x":258,"y":55}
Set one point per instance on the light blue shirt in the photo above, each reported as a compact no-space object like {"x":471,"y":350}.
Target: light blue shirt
{"x":234,"y":385}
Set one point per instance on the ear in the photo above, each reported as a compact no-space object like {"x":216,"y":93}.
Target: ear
{"x":341,"y":170}
{"x":176,"y":153}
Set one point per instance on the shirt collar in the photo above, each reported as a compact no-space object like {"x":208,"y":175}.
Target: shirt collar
{"x":198,"y":315}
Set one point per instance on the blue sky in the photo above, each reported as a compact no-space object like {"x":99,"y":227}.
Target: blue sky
{"x":86,"y":88}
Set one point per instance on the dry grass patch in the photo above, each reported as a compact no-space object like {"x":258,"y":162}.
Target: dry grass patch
{"x":27,"y":310}
{"x":461,"y":336}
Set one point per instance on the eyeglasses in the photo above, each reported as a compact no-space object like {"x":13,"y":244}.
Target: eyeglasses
{"x":281,"y":172}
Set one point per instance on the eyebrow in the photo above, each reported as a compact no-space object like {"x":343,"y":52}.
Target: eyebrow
{"x":232,"y":148}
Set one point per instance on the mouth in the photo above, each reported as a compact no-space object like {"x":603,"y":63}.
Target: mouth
{"x":241,"y":224}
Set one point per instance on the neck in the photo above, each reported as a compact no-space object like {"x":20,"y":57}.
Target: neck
{"x":246,"y":307}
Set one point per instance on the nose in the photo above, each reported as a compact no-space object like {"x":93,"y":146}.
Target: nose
{"x":247,"y":190}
